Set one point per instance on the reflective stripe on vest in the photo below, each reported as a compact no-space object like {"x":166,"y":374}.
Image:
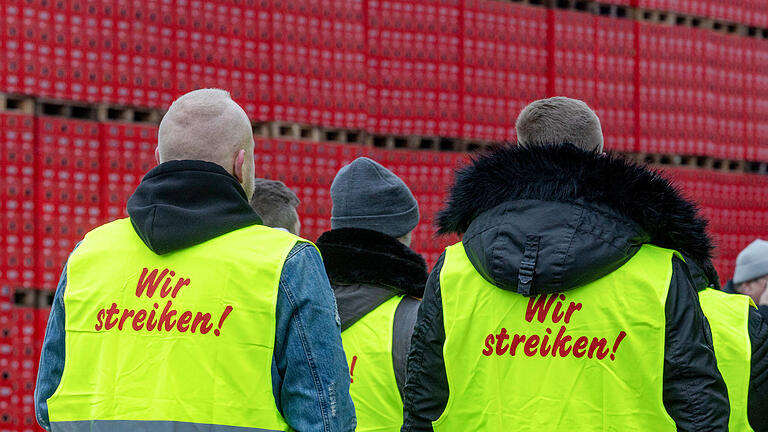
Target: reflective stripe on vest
{"x":368,"y":345}
{"x":587,"y":359}
{"x":185,"y":338}
{"x":728,"y":316}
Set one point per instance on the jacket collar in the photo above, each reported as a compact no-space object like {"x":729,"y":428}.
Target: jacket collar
{"x":360,"y":256}
{"x":186,"y":202}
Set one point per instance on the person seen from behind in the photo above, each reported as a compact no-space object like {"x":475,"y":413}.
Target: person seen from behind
{"x":190,"y":315}
{"x":377,"y":280}
{"x":276,"y":204}
{"x":567,"y":305}
{"x":751,"y":274}
{"x":743,"y":361}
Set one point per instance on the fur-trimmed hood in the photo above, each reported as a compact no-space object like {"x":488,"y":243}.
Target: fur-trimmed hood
{"x":361,"y":256}
{"x":578,"y":215}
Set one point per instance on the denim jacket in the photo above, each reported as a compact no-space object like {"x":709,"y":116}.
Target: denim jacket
{"x":310,"y":378}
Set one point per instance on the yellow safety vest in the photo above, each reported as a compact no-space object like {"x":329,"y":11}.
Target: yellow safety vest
{"x":182,"y":341}
{"x":368,"y":345}
{"x":587,"y":359}
{"x":728,"y":316}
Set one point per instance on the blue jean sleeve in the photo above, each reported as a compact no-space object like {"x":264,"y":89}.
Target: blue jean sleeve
{"x":52,"y":355}
{"x":312,"y":383}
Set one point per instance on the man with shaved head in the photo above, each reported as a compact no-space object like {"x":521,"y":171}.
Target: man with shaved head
{"x":191,"y":314}
{"x":208,"y":125}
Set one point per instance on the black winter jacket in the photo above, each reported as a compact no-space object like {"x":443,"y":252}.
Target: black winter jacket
{"x":757,"y":326}
{"x":367,"y":268}
{"x":592,"y":213}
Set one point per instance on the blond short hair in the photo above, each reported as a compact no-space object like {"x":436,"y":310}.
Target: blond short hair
{"x":559,"y":120}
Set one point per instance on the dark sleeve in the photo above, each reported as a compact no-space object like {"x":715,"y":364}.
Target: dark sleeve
{"x":758,"y":382}
{"x":426,"y":386}
{"x":405,"y":321}
{"x":695,"y":395}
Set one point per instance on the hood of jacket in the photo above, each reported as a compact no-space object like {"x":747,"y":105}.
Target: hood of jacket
{"x":183,"y":203}
{"x":366,"y":268}
{"x":549,"y":219}
{"x":367,"y":257}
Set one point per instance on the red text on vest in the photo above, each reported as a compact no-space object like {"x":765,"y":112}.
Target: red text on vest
{"x":153,"y":317}
{"x":545,"y":344}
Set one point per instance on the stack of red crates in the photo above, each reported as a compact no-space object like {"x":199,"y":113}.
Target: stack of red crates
{"x":615,"y":82}
{"x":441,"y":67}
{"x":339,"y":87}
{"x":736,"y":206}
{"x":750,"y":98}
{"x":10,"y":54}
{"x":406,"y":62}
{"x":504,"y":66}
{"x":758,"y":82}
{"x":290,"y":58}
{"x":43,"y":48}
{"x":19,"y":338}
{"x":725,"y":98}
{"x":448,"y":120}
{"x":574,"y":55}
{"x":17,"y":206}
{"x":127,"y":153}
{"x":68,"y":176}
{"x":318,"y":62}
{"x":673,"y":110}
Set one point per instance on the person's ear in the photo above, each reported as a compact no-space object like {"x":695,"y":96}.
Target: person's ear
{"x":237,"y":170}
{"x":296,"y":225}
{"x":157,"y":155}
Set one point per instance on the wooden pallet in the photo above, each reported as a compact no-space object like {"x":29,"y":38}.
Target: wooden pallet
{"x":16,"y":104}
{"x":106,"y":112}
{"x":680,"y":19}
{"x":32,"y":298}
{"x":693,"y":161}
{"x":97,"y":112}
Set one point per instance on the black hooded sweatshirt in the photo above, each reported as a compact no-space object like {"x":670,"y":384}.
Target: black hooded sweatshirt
{"x":592,"y":213}
{"x":183,"y":203}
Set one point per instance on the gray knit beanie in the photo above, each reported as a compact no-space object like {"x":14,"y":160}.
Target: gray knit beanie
{"x":367,"y":195}
{"x":752,"y":262}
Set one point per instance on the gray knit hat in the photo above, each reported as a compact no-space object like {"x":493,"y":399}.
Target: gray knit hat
{"x":752,"y":262}
{"x":367,"y":195}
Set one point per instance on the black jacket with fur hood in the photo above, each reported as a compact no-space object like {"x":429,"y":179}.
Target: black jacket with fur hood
{"x":592,"y":213}
{"x":367,"y":268}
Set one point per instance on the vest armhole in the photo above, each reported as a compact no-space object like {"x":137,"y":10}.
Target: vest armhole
{"x":402,"y":330}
